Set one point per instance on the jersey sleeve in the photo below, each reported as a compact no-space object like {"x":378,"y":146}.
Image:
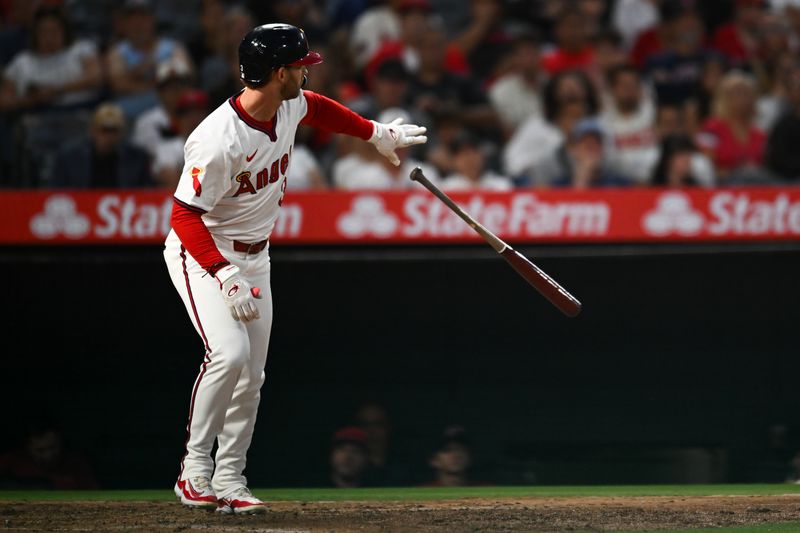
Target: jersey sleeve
{"x":206,"y":174}
{"x":330,"y":115}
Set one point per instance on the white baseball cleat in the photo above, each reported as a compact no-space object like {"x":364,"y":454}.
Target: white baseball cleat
{"x":241,"y":501}
{"x":196,"y":493}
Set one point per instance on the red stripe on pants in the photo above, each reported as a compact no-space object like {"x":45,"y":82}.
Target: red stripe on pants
{"x":206,"y":360}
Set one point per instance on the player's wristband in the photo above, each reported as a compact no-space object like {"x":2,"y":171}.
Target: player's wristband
{"x":216,"y":267}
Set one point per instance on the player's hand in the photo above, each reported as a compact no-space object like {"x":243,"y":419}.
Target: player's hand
{"x":389,"y":137}
{"x":238,"y":294}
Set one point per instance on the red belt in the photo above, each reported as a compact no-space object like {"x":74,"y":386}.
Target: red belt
{"x":250,"y":248}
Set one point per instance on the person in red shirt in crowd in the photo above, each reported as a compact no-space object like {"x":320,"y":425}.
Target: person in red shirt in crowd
{"x":730,"y":137}
{"x":738,"y":39}
{"x":574,"y":50}
{"x":43,"y":462}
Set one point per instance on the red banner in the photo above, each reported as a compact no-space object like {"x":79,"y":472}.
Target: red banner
{"x":529,"y":216}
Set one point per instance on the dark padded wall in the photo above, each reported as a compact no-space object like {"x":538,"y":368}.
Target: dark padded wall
{"x":674,"y":354}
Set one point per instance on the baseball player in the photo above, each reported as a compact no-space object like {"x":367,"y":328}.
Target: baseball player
{"x":226,"y":204}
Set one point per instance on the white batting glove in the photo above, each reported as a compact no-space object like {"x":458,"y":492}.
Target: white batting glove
{"x":389,"y":137}
{"x":238,"y":294}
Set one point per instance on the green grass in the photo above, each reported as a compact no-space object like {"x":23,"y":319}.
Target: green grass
{"x":422,"y":494}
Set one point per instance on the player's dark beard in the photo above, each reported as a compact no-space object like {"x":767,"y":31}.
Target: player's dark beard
{"x":289,"y":91}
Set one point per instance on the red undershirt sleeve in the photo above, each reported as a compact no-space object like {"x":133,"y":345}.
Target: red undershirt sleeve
{"x":188,"y":224}
{"x":330,"y":115}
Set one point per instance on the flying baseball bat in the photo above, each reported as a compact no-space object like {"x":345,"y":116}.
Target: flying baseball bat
{"x":547,"y":286}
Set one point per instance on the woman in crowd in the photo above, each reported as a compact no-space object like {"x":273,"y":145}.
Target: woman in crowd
{"x":568,"y":97}
{"x":54,"y":71}
{"x":681,"y":164}
{"x":730,"y":137}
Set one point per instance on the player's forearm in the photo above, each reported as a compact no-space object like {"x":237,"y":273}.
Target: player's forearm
{"x":329,"y":115}
{"x":188,"y":224}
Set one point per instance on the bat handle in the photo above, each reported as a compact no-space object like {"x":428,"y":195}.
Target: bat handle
{"x":496,"y":243}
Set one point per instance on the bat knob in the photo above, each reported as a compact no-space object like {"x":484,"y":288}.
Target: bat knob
{"x":416,"y":173}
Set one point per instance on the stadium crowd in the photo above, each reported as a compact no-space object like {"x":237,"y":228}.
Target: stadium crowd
{"x":515,"y":93}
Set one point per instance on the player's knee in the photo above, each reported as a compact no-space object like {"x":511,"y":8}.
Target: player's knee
{"x":235,"y":353}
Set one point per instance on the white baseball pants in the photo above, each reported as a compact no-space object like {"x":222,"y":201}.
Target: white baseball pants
{"x":226,"y":393}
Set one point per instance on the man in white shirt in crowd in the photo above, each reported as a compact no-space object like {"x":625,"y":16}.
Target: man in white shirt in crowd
{"x":628,"y":120}
{"x":190,"y":110}
{"x":155,"y":125}
{"x":515,"y":96}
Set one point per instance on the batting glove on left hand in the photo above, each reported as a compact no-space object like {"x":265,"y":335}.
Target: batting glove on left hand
{"x":238,"y":294}
{"x":389,"y":137}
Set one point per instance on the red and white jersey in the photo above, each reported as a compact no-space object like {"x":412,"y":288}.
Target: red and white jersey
{"x":235,"y":169}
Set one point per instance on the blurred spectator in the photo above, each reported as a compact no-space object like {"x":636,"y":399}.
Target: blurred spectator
{"x":55,"y":70}
{"x":573,"y":49}
{"x":132,"y":63}
{"x":452,"y":459}
{"x":190,"y":110}
{"x":348,"y":458}
{"x":304,"y":172}
{"x":153,"y":127}
{"x":373,"y":27}
{"x":486,"y":39}
{"x":446,"y":126}
{"x":773,"y":101}
{"x":732,"y":140}
{"x":677,"y":71}
{"x":701,"y":106}
{"x":388,"y":89}
{"x":782,"y":154}
{"x":738,"y":40}
{"x":632,"y":17}
{"x":654,"y":40}
{"x":383,"y":469}
{"x":568,"y":97}
{"x":44,"y":463}
{"x":219,"y":73}
{"x":433,"y":88}
{"x":581,"y":162}
{"x":681,"y":164}
{"x":773,"y":45}
{"x":608,"y":55}
{"x":211,"y":38}
{"x":469,"y":165}
{"x":15,"y":22}
{"x":515,"y":95}
{"x":104,"y":160}
{"x":414,"y":21}
{"x":629,"y":121}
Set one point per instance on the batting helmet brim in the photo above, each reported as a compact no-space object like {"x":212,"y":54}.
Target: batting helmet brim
{"x":312,"y":58}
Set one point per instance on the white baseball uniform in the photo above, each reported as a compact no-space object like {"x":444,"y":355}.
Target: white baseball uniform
{"x":226,"y":205}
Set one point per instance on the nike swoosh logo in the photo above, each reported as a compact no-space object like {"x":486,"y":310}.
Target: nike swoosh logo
{"x":251,"y":156}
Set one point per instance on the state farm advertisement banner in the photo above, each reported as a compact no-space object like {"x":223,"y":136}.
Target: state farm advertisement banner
{"x":620,"y":215}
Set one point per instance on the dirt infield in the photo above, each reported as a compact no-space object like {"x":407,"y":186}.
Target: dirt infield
{"x":511,"y":515}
